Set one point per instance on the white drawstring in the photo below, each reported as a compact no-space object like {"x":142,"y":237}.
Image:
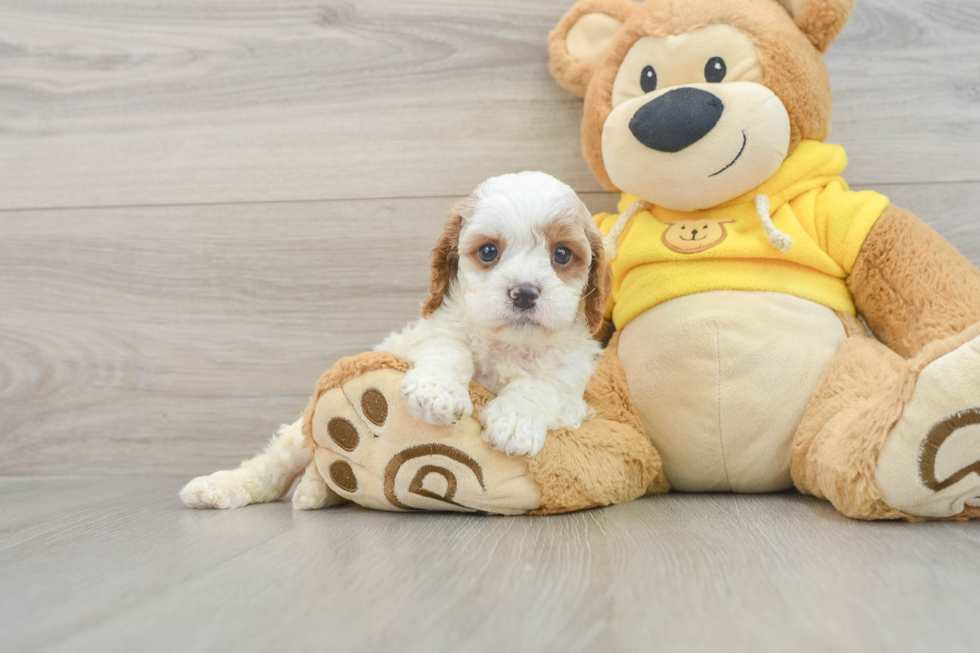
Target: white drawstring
{"x":611,"y":242}
{"x":779,"y":240}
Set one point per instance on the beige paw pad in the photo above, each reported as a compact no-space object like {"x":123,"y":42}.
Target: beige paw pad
{"x":930,"y":464}
{"x":372,"y":451}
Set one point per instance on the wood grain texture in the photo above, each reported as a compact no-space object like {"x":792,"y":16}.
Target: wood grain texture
{"x":279,"y":172}
{"x":120,"y":565}
{"x":120,"y":102}
{"x":175,"y":339}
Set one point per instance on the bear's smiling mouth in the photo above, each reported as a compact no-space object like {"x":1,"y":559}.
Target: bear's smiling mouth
{"x":745,"y":141}
{"x":695,"y":239}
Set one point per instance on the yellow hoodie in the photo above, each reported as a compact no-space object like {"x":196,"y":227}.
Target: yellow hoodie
{"x":665,"y":254}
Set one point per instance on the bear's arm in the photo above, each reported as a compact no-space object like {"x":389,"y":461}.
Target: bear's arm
{"x":911,"y":285}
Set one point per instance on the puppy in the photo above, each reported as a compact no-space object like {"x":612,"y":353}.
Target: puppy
{"x":513,"y":265}
{"x":518,"y":287}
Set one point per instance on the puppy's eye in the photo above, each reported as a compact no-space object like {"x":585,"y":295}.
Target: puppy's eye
{"x":562,"y":256}
{"x":648,"y":79}
{"x":715,"y":70}
{"x":488,"y":253}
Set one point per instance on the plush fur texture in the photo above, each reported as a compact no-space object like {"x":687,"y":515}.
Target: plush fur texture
{"x":821,"y":20}
{"x":344,"y":370}
{"x":269,"y":475}
{"x":916,"y":292}
{"x":536,"y":357}
{"x":445,"y":258}
{"x":265,"y":477}
{"x":794,"y":69}
{"x":571,"y":74}
{"x":599,"y":286}
{"x":608,"y":460}
{"x":847,"y":420}
{"x":861,"y":397}
{"x":911,"y":285}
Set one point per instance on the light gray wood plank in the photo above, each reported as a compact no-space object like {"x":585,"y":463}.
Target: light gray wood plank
{"x":906,"y":80}
{"x":123,"y":566}
{"x":121,"y":102}
{"x":175,"y":339}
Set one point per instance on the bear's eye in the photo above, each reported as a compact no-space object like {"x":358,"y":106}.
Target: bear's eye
{"x":488,"y":253}
{"x":715,"y":70}
{"x":648,"y":79}
{"x":562,"y":256}
{"x":684,"y":228}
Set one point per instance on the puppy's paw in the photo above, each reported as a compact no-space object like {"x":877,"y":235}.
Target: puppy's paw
{"x":310,"y":495}
{"x":435,"y":398}
{"x":220,"y":490}
{"x":572,"y":413}
{"x":511,"y":425}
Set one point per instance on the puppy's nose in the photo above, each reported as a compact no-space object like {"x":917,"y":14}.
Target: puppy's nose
{"x":524,"y":296}
{"x":677,"y":119}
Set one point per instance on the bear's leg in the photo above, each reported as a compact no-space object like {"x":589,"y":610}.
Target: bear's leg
{"x":370,"y":450}
{"x":889,"y":438}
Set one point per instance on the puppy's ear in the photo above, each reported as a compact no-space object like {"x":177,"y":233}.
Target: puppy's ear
{"x":821,"y":20}
{"x":445,"y":259}
{"x":581,"y":40}
{"x":600,"y":282}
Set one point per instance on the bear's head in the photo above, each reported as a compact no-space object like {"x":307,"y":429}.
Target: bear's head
{"x":691,"y":103}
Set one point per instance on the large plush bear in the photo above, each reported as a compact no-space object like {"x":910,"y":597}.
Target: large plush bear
{"x":741,"y":261}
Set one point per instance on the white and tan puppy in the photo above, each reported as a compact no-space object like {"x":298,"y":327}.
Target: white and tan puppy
{"x":509,"y":273}
{"x":518,"y":288}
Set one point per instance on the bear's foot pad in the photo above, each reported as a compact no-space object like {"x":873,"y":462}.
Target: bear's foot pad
{"x":370,"y":450}
{"x":930,"y":464}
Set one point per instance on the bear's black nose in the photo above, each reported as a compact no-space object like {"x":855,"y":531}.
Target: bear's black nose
{"x":677,"y":119}
{"x":524,"y":296}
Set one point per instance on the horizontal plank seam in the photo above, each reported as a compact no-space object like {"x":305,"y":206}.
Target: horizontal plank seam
{"x":102,"y":207}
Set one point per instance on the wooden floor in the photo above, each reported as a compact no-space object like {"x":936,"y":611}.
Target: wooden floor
{"x":96,"y":564}
{"x":204,"y":204}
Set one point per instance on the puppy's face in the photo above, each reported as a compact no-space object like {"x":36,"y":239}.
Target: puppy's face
{"x":527,"y":253}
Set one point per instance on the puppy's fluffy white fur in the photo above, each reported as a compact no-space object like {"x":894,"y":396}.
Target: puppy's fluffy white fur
{"x":519,"y":323}
{"x":537,"y":360}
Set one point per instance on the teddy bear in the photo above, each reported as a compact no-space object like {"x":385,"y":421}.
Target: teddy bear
{"x":743,"y":266}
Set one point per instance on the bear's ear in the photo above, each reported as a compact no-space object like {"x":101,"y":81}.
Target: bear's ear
{"x":581,"y":40}
{"x":821,"y":20}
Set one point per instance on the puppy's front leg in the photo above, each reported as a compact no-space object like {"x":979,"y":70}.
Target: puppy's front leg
{"x":437,"y":387}
{"x":521,"y":415}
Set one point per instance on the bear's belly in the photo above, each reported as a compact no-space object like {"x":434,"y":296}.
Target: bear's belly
{"x":721,"y":381}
